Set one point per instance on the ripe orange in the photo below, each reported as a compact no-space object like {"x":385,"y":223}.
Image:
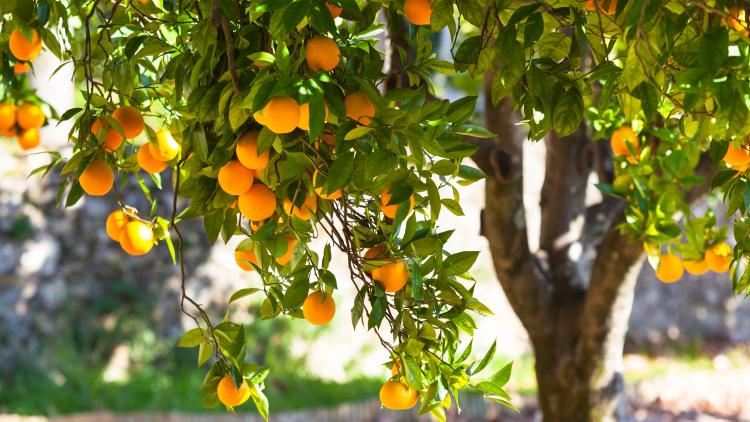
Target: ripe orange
{"x":319,"y":190}
{"x":97,"y":179}
{"x":234,"y":178}
{"x":23,"y":48}
{"x":322,"y":53}
{"x":319,"y":309}
{"x":148,"y":163}
{"x":30,"y":116}
{"x":9,"y":133}
{"x":359,"y":108}
{"x":390,"y":210}
{"x":608,"y":7}
{"x":29,"y":139}
{"x":396,"y":395}
{"x":736,"y":20}
{"x":243,"y":257}
{"x":335,"y":10}
{"x":130,"y":119}
{"x":21,"y":68}
{"x":280,"y":115}
{"x":669,"y":268}
{"x":719,"y":257}
{"x":696,"y":267}
{"x":304,"y":116}
{"x":392,"y":276}
{"x":737,"y":158}
{"x":116,"y":221}
{"x":137,"y":238}
{"x":229,"y":394}
{"x":112,"y":139}
{"x":619,"y":138}
{"x":166,"y":148}
{"x":247,"y":152}
{"x":258,"y":203}
{"x":305,"y":211}
{"x":418,"y":12}
{"x":7,"y":116}
{"x":290,"y":244}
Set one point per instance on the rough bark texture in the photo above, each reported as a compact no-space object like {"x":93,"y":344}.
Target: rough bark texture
{"x":575,"y":295}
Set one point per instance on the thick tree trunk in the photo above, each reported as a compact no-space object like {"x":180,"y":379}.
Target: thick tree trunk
{"x":573,"y":297}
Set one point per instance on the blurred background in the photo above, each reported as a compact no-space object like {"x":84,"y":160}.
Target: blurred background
{"x":89,"y":333}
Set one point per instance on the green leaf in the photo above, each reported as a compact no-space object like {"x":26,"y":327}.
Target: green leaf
{"x":554,"y":46}
{"x":204,"y":352}
{"x":460,"y":262}
{"x":502,"y":376}
{"x":357,"y":132}
{"x":191,"y":338}
{"x":568,"y":112}
{"x":260,"y":400}
{"x":485,"y":360}
{"x":474,"y":131}
{"x":239,"y":294}
{"x":340,"y":172}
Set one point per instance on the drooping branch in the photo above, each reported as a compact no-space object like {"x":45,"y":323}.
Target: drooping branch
{"x":219,"y":19}
{"x":504,"y":219}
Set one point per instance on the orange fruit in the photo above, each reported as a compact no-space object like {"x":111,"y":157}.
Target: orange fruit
{"x":620,"y":137}
{"x":112,"y":139}
{"x":166,"y":147}
{"x":359,"y":108}
{"x":148,"y":163}
{"x":29,"y":139}
{"x":258,"y":203}
{"x":305,"y":211}
{"x":243,"y":257}
{"x":322,"y":53}
{"x":736,"y":20}
{"x":234,"y":178}
{"x":390,"y":210}
{"x":116,"y":221}
{"x":396,"y":395}
{"x":23,"y":48}
{"x":30,"y":116}
{"x":392,"y":276}
{"x":319,"y":190}
{"x":335,"y":10}
{"x":319,"y":309}
{"x":229,"y":394}
{"x":247,"y":152}
{"x":97,"y":179}
{"x":304,"y":116}
{"x":290,"y":244}
{"x":9,"y":133}
{"x":669,"y":268}
{"x":137,"y":238}
{"x":608,"y":7}
{"x":7,"y":116}
{"x":280,"y":115}
{"x":737,"y":158}
{"x":21,"y":67}
{"x":130,"y":120}
{"x":719,"y":257}
{"x":418,"y":11}
{"x":696,"y":267}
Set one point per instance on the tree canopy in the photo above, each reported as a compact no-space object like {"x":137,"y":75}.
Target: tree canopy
{"x":282,"y":122}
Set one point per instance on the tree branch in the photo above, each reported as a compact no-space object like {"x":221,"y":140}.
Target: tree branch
{"x":504,"y":219}
{"x":219,"y":19}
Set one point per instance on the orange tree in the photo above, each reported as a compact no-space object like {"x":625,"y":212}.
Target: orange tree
{"x":283,"y":121}
{"x":269,"y":120}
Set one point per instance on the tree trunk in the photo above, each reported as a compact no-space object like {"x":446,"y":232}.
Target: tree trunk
{"x":575,"y":295}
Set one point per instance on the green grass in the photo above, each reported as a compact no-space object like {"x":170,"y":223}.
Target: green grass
{"x":32,"y":392}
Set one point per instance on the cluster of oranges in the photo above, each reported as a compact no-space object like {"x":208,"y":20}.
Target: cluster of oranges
{"x":24,"y":49}
{"x":717,"y":258}
{"x":22,"y":122}
{"x":136,"y":237}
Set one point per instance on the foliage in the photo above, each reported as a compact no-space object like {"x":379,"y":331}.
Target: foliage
{"x":210,"y":73}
